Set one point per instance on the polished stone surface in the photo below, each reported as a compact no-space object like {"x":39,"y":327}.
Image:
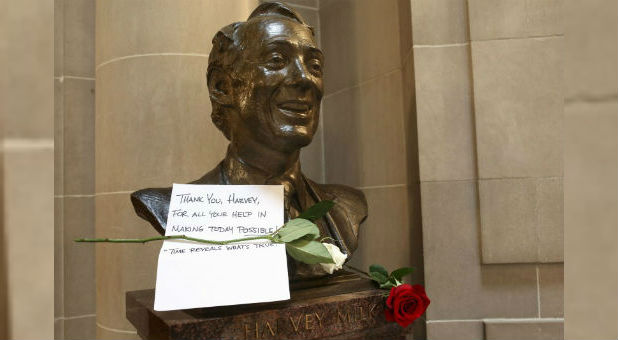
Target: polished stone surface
{"x":343,"y":307}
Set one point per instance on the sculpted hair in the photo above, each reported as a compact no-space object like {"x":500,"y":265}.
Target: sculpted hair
{"x":226,"y":46}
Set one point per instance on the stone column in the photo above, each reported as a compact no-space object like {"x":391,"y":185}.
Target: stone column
{"x":74,"y":88}
{"x":152,"y":128}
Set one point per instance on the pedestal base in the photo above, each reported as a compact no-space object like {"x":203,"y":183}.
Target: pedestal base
{"x":343,"y":307}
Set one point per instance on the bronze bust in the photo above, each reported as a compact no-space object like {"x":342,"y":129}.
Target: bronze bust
{"x":265,"y":83}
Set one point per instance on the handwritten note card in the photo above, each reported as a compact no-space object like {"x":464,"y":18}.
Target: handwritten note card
{"x":193,"y":275}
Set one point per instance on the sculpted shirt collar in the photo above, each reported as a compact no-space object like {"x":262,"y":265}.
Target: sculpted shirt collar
{"x":235,"y":171}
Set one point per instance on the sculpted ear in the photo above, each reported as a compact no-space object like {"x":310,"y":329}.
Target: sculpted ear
{"x":220,"y":86}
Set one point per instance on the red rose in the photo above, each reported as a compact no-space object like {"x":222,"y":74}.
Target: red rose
{"x":405,"y":304}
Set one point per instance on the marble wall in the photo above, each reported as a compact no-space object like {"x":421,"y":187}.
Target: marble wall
{"x":26,"y":170}
{"x":590,"y":168}
{"x":488,"y":77}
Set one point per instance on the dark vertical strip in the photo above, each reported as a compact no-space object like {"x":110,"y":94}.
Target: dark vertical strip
{"x":4,"y":315}
{"x":412,"y":154}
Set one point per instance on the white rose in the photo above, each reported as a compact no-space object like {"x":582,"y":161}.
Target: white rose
{"x":337,"y":256}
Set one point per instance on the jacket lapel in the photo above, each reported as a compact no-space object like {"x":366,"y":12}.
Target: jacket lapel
{"x":336,"y":214}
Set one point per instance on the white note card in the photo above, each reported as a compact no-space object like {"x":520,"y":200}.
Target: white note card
{"x":194,"y":275}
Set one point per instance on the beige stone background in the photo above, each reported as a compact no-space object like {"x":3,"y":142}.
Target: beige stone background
{"x":465,"y":123}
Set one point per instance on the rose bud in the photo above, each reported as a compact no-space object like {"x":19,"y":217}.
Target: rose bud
{"x":338,"y":258}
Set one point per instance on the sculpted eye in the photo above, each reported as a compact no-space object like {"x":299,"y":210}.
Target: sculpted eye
{"x":315,"y":66}
{"x":276,"y":60}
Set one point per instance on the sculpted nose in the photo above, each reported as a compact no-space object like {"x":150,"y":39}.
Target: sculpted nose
{"x":299,"y":75}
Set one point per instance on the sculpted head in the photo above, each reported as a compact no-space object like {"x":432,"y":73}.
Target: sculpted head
{"x":265,"y":79}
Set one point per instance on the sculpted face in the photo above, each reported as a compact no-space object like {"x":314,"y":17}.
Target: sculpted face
{"x":280,"y":76}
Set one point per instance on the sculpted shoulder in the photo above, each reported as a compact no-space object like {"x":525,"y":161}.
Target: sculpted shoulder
{"x":351,"y":200}
{"x":152,"y":204}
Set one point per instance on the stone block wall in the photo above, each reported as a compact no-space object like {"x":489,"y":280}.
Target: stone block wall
{"x":590,"y":168}
{"x":488,"y":77}
{"x":26,"y":170}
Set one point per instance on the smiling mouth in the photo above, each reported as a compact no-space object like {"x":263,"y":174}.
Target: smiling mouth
{"x":295,"y":108}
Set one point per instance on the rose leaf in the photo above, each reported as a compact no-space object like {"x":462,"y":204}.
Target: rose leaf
{"x":401,"y":272}
{"x":298,"y":228}
{"x":317,"y":210}
{"x":308,"y":251}
{"x":378,"y":277}
{"x":378,"y":269}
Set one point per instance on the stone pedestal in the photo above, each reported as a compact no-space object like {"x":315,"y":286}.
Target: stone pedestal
{"x":342,"y":307}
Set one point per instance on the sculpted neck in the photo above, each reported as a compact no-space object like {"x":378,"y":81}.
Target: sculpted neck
{"x":271,"y":162}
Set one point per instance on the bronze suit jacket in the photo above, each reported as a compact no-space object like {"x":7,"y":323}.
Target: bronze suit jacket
{"x":341,"y":222}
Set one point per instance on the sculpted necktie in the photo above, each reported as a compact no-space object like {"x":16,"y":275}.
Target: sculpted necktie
{"x":292,"y":209}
